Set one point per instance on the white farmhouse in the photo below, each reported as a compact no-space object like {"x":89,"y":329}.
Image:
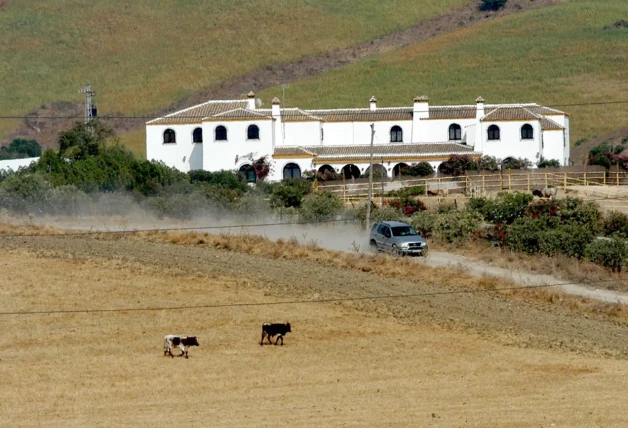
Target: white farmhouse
{"x":232,"y":134}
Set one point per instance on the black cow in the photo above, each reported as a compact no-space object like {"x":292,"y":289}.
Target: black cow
{"x":181,"y":342}
{"x":270,"y":330}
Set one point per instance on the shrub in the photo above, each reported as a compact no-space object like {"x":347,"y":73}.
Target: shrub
{"x":570,"y":240}
{"x":616,"y":224}
{"x":20,"y":148}
{"x":492,"y":4}
{"x":610,"y":253}
{"x":486,"y":163}
{"x":406,"y":205}
{"x":289,"y":193}
{"x":263,"y":167}
{"x":456,"y":226}
{"x":320,"y":207}
{"x":67,"y":200}
{"x":24,"y":193}
{"x":328,"y":175}
{"x":493,"y":233}
{"x":407,"y":191}
{"x":223,"y":178}
{"x":456,"y":165}
{"x":577,"y":212}
{"x":421,"y":169}
{"x":383,"y":213}
{"x":516,"y":163}
{"x":505,"y":209}
{"x":85,"y":140}
{"x":545,"y":163}
{"x":524,"y":235}
{"x":424,"y":223}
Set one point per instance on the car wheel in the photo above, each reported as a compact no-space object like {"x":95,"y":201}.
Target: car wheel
{"x":395,"y":251}
{"x":374,"y":248}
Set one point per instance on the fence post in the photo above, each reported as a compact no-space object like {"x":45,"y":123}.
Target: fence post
{"x":509,"y":182}
{"x":617,"y":172}
{"x":585,"y":178}
{"x":483,"y":184}
{"x":546,"y":180}
{"x":565,"y":182}
{"x":529,"y":180}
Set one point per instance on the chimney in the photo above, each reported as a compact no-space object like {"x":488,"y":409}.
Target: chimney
{"x":250,"y":102}
{"x":421,"y":109}
{"x":276,"y":107}
{"x":479,"y":111}
{"x":373,"y":102}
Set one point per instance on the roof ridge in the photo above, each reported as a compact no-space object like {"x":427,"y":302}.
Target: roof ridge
{"x":193,"y":107}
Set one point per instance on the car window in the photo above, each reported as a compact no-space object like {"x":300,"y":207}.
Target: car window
{"x":387,"y":232}
{"x":381,"y":229}
{"x":374,"y":228}
{"x":404,"y":231}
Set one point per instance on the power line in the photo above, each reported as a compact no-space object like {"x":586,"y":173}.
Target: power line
{"x":354,"y":111}
{"x":298,"y":302}
{"x":236,"y":226}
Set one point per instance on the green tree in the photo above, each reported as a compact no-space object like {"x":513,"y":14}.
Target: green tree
{"x":21,"y":148}
{"x":85,"y":140}
{"x":545,"y":163}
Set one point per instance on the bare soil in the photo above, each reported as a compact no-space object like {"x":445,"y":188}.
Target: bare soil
{"x":445,"y":361}
{"x":39,"y":126}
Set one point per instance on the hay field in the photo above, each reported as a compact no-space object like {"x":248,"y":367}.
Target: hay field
{"x":344,"y":364}
{"x":532,"y":56}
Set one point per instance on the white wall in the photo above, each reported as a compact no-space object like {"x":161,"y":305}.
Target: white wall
{"x":553,"y":141}
{"x":359,"y":133}
{"x":433,"y":131}
{"x":15,"y":164}
{"x":301,"y":134}
{"x":219,"y":155}
{"x":510,"y":143}
{"x":183,"y":155}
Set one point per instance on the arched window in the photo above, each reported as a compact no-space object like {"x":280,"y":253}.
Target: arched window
{"x":197,"y":135}
{"x":248,"y":172}
{"x":455,"y":132}
{"x":169,"y":136}
{"x":396,"y":134}
{"x":252,"y":133}
{"x":291,"y":170}
{"x":527,"y":133}
{"x":221,"y":133}
{"x":493,"y":132}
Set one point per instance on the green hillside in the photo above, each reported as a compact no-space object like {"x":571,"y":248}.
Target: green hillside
{"x":142,"y":56}
{"x":555,"y":56}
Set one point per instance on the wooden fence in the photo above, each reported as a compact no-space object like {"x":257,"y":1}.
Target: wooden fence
{"x":478,"y":184}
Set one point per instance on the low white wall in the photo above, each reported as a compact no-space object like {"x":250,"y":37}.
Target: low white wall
{"x":15,"y":164}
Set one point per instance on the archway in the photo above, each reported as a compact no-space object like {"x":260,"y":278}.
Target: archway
{"x":379,"y":171}
{"x":248,"y":172}
{"x":351,"y":171}
{"x":398,"y":169}
{"x":291,"y":170}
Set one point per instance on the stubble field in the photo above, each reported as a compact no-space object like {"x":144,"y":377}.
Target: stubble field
{"x":445,"y":360}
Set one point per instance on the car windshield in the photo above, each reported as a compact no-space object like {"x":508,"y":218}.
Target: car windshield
{"x":404,"y":231}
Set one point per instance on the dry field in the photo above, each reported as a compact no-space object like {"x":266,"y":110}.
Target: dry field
{"x":474,"y":360}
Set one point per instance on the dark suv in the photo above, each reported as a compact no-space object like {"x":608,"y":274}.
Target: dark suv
{"x":397,"y":238}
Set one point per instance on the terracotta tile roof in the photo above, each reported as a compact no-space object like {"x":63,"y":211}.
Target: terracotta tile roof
{"x":452,"y":112}
{"x":238,"y":114}
{"x":363,"y":114}
{"x":510,"y":113}
{"x":196,"y":113}
{"x":542,"y":110}
{"x":297,"y":115}
{"x":379,"y":151}
{"x":550,"y":125}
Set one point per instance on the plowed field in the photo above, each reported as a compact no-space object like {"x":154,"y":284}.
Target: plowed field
{"x":473,"y":360}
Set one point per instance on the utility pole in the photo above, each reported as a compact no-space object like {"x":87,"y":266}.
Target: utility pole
{"x":370,"y":192}
{"x":382,"y":179}
{"x":89,"y":110}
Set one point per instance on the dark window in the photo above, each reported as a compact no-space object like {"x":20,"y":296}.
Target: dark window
{"x":221,"y":133}
{"x":252,"y":133}
{"x":387,"y":233}
{"x":396,"y":134}
{"x":404,"y":231}
{"x":169,"y":136}
{"x":455,"y":132}
{"x":382,"y":229}
{"x":248,"y":172}
{"x":493,"y":132}
{"x":291,"y":170}
{"x":527,"y":133}
{"x":197,"y":135}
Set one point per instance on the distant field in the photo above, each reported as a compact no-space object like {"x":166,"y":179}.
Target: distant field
{"x":554,"y":56}
{"x":143,"y":56}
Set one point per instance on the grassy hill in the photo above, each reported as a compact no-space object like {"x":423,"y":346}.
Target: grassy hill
{"x":143,"y":56}
{"x":557,"y":55}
